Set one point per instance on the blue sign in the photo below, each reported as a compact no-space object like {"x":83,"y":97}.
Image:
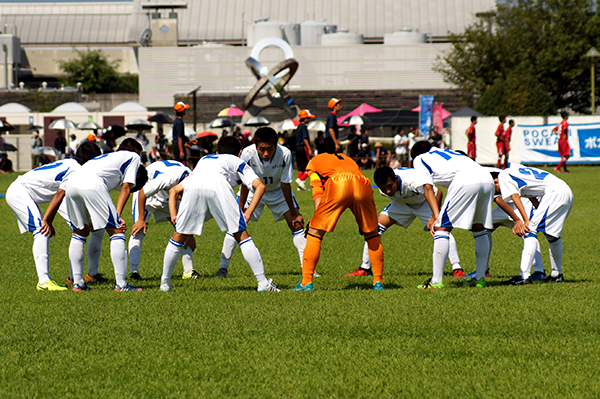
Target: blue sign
{"x":425,"y":120}
{"x":589,"y":142}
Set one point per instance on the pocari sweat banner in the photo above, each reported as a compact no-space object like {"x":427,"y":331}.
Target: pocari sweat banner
{"x":539,"y":144}
{"x":425,"y":115}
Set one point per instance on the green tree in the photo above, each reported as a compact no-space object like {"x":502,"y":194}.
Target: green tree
{"x":532,"y":60}
{"x":97,"y":75}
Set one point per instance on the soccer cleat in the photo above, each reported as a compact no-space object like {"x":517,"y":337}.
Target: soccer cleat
{"x":477,"y":283}
{"x":82,"y":287}
{"x":459,"y":273}
{"x":518,"y":280}
{"x":69,"y":282}
{"x":301,"y":184}
{"x":360,"y":272}
{"x":135,"y":275}
{"x":221,"y":273}
{"x":300,"y":287}
{"x":538,"y":276}
{"x":267,"y":287}
{"x":427,"y":285}
{"x":378,"y":286}
{"x":127,"y":287}
{"x":191,"y":275}
{"x":51,"y":285}
{"x":165,"y":288}
{"x":97,"y":278}
{"x":472,"y":275}
{"x":557,"y":170}
{"x":556,"y":279}
{"x":315,"y":274}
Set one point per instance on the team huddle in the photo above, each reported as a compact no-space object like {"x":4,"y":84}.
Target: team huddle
{"x":528,"y":200}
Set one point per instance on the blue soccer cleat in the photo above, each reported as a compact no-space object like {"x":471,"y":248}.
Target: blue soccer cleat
{"x":378,"y":286}
{"x":300,"y":287}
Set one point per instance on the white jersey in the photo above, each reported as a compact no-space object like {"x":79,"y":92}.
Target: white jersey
{"x":441,"y":166}
{"x":42,"y":183}
{"x":528,"y":182}
{"x":409,"y":192}
{"x":223,"y":166}
{"x":112,"y":169}
{"x":163,"y":176}
{"x":274,"y":172}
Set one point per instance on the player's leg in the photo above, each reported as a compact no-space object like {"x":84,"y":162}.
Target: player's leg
{"x":94,"y":251}
{"x":254,"y":260}
{"x":229,"y":245}
{"x":297,"y":233}
{"x":482,"y":250}
{"x":312,"y":253}
{"x":118,"y":255}
{"x":77,"y":256}
{"x":187,"y":259}
{"x":373,"y":240}
{"x":135,"y":253}
{"x":454,"y":259}
{"x":384,"y":223}
{"x":556,"y":254}
{"x":172,"y":253}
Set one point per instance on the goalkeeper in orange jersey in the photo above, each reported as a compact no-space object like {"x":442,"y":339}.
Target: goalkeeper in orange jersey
{"x":337,"y":185}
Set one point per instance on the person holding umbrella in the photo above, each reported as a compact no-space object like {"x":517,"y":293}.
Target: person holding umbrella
{"x":180,"y":140}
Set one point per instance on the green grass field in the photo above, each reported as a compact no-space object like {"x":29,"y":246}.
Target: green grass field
{"x":220,"y":338}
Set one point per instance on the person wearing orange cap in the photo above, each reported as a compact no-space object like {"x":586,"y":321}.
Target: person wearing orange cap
{"x":303,"y":149}
{"x":337,"y":185}
{"x":180,"y":140}
{"x":332,"y":129}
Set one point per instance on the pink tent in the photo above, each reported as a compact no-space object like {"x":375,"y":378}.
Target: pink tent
{"x":445,"y":113}
{"x":360,"y":110}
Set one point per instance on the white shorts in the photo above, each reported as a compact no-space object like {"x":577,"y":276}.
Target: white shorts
{"x":26,"y":210}
{"x":89,"y":202}
{"x":206,"y":199}
{"x":275,"y":201}
{"x":468,"y":201}
{"x":501,"y":218}
{"x":551,"y":214}
{"x":161,"y":213}
{"x":405,"y":214}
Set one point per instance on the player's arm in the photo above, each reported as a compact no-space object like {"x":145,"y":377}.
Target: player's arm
{"x":141,"y":222}
{"x":435,"y":209}
{"x":47,"y":229}
{"x":181,"y":148}
{"x":535,"y":202}
{"x":297,"y":220}
{"x":318,"y":188}
{"x":122,"y":201}
{"x":510,"y":212}
{"x":439,"y":197}
{"x":335,"y":140}
{"x":259,"y":190}
{"x":523,"y":229}
{"x":243,"y":196}
{"x":174,"y":195}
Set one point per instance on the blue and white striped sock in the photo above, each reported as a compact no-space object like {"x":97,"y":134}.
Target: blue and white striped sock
{"x":40,"y":255}
{"x":77,"y":257}
{"x":118,"y":254}
{"x":482,"y":253}
{"x":229,"y":245}
{"x":299,"y":242}
{"x":252,"y":256}
{"x":171,"y":256}
{"x":441,"y":245}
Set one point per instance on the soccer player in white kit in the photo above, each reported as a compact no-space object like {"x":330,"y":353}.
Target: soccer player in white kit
{"x":90,"y":207}
{"x":468,"y":205}
{"x":208,"y":193}
{"x":153,"y":199}
{"x":408,"y":203}
{"x":272,"y":163}
{"x":518,"y":181}
{"x":39,"y":186}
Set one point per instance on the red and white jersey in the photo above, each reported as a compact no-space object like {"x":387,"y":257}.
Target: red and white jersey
{"x":500,"y":132}
{"x":471,"y":133}
{"x":563,"y":130}
{"x":507,"y":134}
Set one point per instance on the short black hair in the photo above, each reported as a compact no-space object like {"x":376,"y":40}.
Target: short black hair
{"x":266,"y":135}
{"x":130,"y":144}
{"x":512,"y":121}
{"x":494,"y":174}
{"x":461,"y":152}
{"x":502,"y":118}
{"x":329,"y":145}
{"x":86,"y":151}
{"x":180,"y":113}
{"x":140,"y":179}
{"x":564,"y":114}
{"x":383,"y":175}
{"x":420,"y":147}
{"x":473,"y":118}
{"x":229,"y":145}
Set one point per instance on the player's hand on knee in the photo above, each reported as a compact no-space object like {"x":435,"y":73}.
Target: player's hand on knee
{"x":190,"y":242}
{"x":138,"y":226}
{"x":47,"y":229}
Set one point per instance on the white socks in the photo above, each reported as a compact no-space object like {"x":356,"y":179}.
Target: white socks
{"x":441,"y":244}
{"x":530,"y":247}
{"x":482,"y":253}
{"x":77,"y":257}
{"x":135,"y":251}
{"x":299,"y":242}
{"x":366,"y":263}
{"x":187,"y":258}
{"x":556,"y":253}
{"x":453,"y":253}
{"x":40,"y":256}
{"x":118,"y":254}
{"x":252,"y":256}
{"x":171,"y":255}
{"x":229,"y":244}
{"x":94,"y":250}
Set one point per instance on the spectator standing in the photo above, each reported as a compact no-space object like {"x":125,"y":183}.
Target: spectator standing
{"x":303,"y":150}
{"x":161,"y":143}
{"x":471,"y":148}
{"x":320,"y":143}
{"x":60,"y":143}
{"x":73,"y":144}
{"x":564,"y":150}
{"x":36,"y":144}
{"x":435,"y":138}
{"x":382,"y":155}
{"x":401,"y":147}
{"x":180,"y":140}
{"x":331,"y":126}
{"x":500,"y":146}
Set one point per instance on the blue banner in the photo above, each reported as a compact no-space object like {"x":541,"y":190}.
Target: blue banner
{"x":425,"y":115}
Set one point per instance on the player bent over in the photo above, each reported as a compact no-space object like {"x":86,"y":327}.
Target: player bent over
{"x":208,"y":193}
{"x":153,"y":199}
{"x":272,"y":164}
{"x":337,"y":185}
{"x":90,"y":207}
{"x":39,"y":186}
{"x":468,"y":205}
{"x":408,"y":203}
{"x":549,"y":217}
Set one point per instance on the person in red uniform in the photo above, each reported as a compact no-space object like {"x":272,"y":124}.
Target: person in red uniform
{"x":337,"y":185}
{"x":471,"y":153}
{"x":564,"y":150}
{"x":507,"y":136}
{"x":500,"y":143}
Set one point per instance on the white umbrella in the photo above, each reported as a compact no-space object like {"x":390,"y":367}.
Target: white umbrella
{"x":222,"y":122}
{"x":257,"y":121}
{"x":139,"y":124}
{"x":354,"y":120}
{"x":89,"y":126}
{"x":316,"y":125}
{"x":287,"y":124}
{"x":62,"y":124}
{"x":188,"y":132}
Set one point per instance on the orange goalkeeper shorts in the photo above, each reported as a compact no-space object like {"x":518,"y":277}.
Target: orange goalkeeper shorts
{"x":342,"y":191}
